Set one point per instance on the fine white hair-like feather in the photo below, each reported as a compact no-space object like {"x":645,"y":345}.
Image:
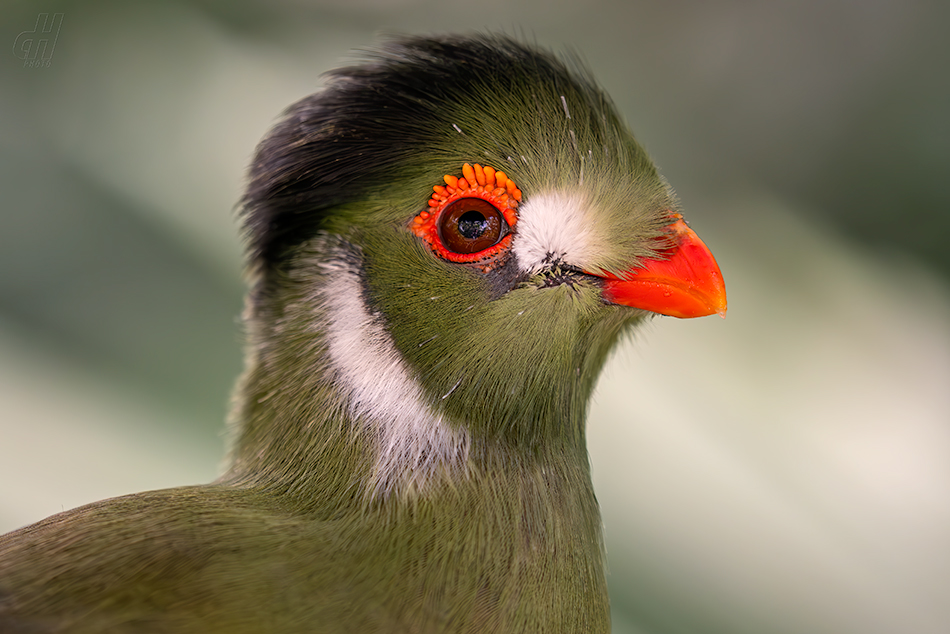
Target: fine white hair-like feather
{"x":556,"y":226}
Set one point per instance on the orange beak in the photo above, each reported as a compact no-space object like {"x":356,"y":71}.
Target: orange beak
{"x":687,"y":282}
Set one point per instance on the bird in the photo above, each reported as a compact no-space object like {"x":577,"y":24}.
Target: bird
{"x":444,"y":244}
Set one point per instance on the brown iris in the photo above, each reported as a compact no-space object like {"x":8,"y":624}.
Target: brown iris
{"x":470,"y":225}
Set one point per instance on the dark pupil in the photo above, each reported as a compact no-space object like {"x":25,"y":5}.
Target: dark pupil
{"x":472,"y":224}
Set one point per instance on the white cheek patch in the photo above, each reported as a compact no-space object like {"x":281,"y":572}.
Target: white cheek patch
{"x":555,"y":226}
{"x":414,"y":443}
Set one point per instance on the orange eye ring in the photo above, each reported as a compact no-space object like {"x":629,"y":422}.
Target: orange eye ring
{"x":473,"y":225}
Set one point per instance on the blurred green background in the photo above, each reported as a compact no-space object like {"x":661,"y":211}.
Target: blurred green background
{"x":786,"y":470}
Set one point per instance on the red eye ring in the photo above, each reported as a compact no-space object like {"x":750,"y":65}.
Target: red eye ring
{"x":478,"y":183}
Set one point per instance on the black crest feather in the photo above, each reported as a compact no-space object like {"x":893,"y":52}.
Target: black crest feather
{"x":329,"y":147}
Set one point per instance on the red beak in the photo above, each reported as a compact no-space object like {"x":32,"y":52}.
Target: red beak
{"x":687,"y":282}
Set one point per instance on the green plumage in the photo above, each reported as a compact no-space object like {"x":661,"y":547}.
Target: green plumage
{"x":313,"y":528}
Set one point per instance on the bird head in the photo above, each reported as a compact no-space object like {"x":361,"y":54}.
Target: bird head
{"x":461,"y":227}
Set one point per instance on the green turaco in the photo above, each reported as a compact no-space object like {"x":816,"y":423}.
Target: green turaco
{"x":444,"y":244}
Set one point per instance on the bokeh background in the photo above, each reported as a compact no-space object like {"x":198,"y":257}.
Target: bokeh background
{"x":784,"y":470}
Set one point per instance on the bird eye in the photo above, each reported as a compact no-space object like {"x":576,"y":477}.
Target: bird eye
{"x":470,"y":225}
{"x":470,"y":219}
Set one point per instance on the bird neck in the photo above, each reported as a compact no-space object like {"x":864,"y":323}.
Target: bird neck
{"x":522,"y":523}
{"x":314,"y":443}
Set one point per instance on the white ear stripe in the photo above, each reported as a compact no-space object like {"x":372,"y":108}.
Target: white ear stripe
{"x":414,"y":442}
